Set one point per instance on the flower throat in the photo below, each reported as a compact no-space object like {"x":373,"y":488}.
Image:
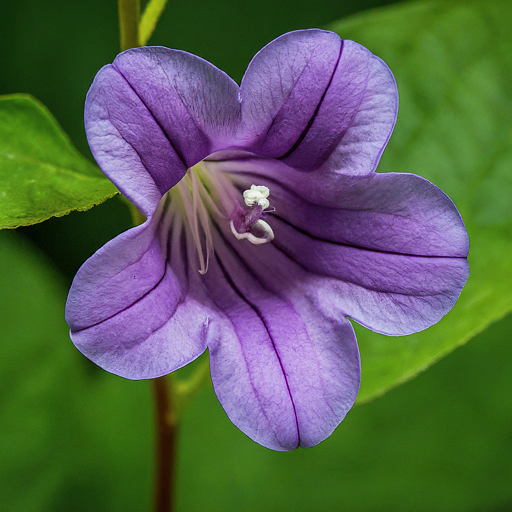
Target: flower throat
{"x":205,"y":196}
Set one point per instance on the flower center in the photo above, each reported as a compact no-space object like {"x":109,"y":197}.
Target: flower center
{"x":205,"y":195}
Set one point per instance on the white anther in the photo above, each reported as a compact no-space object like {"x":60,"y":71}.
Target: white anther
{"x":257,"y":194}
{"x":260,"y":224}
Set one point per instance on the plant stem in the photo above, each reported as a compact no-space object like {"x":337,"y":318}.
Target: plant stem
{"x":129,"y":16}
{"x":152,"y":13}
{"x":165,"y":401}
{"x":166,"y":444}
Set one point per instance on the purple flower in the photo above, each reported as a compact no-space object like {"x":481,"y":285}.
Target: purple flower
{"x":266,"y":228}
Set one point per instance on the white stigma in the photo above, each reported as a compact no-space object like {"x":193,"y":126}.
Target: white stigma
{"x":268,"y":234}
{"x":257,"y":194}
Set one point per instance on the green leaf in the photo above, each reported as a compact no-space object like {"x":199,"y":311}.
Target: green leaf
{"x":41,"y":174}
{"x":453,"y":66}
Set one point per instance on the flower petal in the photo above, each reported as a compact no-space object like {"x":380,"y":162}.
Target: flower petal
{"x":149,"y":117}
{"x":357,"y":142}
{"x":394,"y":249}
{"x":283,"y":85}
{"x":390,"y":293}
{"x":393,"y":212}
{"x":127,"y":143}
{"x":130,"y":309}
{"x":397,"y":213}
{"x":288,"y":373}
{"x":195,"y":103}
{"x":310,"y":99}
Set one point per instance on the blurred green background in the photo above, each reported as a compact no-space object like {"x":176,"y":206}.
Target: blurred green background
{"x":75,"y":438}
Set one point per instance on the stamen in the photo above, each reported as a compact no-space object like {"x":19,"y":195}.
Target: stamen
{"x":204,"y":194}
{"x":202,"y":214}
{"x":257,"y":194}
{"x":221,"y":188}
{"x":185,"y":188}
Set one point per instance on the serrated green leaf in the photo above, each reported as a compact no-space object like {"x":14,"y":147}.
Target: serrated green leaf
{"x":41,"y":174}
{"x":453,"y":66}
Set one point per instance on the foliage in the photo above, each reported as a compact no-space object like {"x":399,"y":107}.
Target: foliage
{"x":41,"y":174}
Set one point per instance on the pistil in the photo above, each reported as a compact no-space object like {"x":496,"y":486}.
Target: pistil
{"x":243,"y":222}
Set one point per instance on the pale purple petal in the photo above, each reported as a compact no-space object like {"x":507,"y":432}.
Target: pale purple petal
{"x":283,"y":85}
{"x":393,"y":212}
{"x":312,"y":100}
{"x":356,"y":133}
{"x":149,"y":116}
{"x":389,"y":293}
{"x":130,"y":308}
{"x":394,"y":252}
{"x":397,"y":213}
{"x":196,"y":104}
{"x":127,"y":143}
{"x":289,"y":372}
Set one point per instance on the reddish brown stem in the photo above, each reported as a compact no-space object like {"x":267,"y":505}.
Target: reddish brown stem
{"x":166,"y":445}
